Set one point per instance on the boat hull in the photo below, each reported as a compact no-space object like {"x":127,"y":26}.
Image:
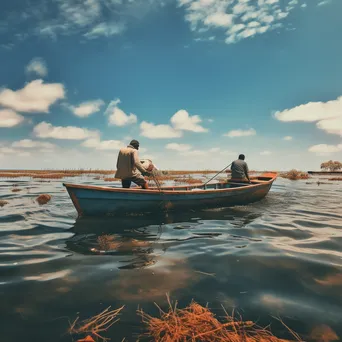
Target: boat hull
{"x":99,"y":201}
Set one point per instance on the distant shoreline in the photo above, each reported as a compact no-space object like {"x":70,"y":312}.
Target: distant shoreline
{"x":322,"y":173}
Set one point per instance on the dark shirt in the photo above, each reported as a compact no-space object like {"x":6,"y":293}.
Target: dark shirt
{"x":239,"y":169}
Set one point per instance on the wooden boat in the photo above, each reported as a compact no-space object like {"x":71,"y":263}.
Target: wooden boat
{"x":92,"y":200}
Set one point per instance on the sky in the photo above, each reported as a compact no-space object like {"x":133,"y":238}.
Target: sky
{"x":197,"y":82}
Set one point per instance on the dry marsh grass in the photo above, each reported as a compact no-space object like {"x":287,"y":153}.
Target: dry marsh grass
{"x":295,"y":175}
{"x":187,"y":172}
{"x":95,"y":326}
{"x":198,"y":323}
{"x":190,"y":324}
{"x":335,"y":179}
{"x":188,"y":180}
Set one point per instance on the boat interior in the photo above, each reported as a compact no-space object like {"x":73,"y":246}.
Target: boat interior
{"x":216,"y":185}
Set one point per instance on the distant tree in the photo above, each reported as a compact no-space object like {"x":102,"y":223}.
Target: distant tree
{"x":331,"y":166}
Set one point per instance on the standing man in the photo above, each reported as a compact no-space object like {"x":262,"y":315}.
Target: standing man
{"x":129,"y":168}
{"x":240,"y":170}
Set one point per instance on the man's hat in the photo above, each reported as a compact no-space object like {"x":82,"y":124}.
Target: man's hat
{"x":135,"y":143}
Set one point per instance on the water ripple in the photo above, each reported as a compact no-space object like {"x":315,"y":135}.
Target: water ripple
{"x":282,"y":255}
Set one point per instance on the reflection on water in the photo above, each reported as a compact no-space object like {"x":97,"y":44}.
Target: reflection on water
{"x":281,"y":256}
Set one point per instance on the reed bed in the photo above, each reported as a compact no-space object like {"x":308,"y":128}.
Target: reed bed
{"x":188,"y":180}
{"x":185,"y":172}
{"x":335,"y":179}
{"x":295,"y":175}
{"x":51,"y":174}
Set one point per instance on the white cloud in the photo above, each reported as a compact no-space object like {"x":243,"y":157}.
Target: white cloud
{"x":288,"y":138}
{"x":204,"y":15}
{"x":7,"y":150}
{"x":194,"y":153}
{"x":117,"y":116}
{"x":152,"y":131}
{"x":88,"y":18}
{"x":23,"y":154}
{"x":247,"y":33}
{"x":178,"y":147}
{"x":332,"y":126}
{"x":328,"y":115}
{"x":80,"y":13}
{"x":28,"y":143}
{"x":105,"y":30}
{"x":46,"y":130}
{"x":253,"y":24}
{"x":219,"y":19}
{"x":107,"y":145}
{"x":9,"y":118}
{"x":304,"y":5}
{"x":324,"y":149}
{"x":236,"y":28}
{"x":312,"y":111}
{"x":183,"y":121}
{"x":180,"y":121}
{"x":265,"y":153}
{"x":240,"y":133}
{"x":87,"y":108}
{"x":36,"y":96}
{"x":210,"y":153}
{"x":268,"y":19}
{"x":37,"y":66}
{"x":322,"y":3}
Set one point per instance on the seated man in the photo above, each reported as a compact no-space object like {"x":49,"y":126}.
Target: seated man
{"x":129,"y":168}
{"x":239,"y":170}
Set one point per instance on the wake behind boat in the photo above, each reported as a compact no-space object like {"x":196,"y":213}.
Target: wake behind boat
{"x":92,"y":200}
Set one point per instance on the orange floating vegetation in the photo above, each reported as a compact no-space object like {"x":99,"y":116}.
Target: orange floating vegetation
{"x":3,"y":203}
{"x":111,"y":179}
{"x":86,"y":339}
{"x":198,"y":323}
{"x":43,"y":199}
{"x":107,"y":242}
{"x":96,"y":325}
{"x":16,"y":190}
{"x":335,"y":179}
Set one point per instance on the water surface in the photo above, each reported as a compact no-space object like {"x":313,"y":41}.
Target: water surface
{"x":279,"y":257}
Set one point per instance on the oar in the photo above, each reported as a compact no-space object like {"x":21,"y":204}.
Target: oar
{"x":217,"y":174}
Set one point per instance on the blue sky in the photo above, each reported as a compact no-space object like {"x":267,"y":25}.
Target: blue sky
{"x":195,"y":81}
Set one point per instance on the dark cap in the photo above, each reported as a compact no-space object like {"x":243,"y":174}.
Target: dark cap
{"x":242,"y":156}
{"x":135,"y":143}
